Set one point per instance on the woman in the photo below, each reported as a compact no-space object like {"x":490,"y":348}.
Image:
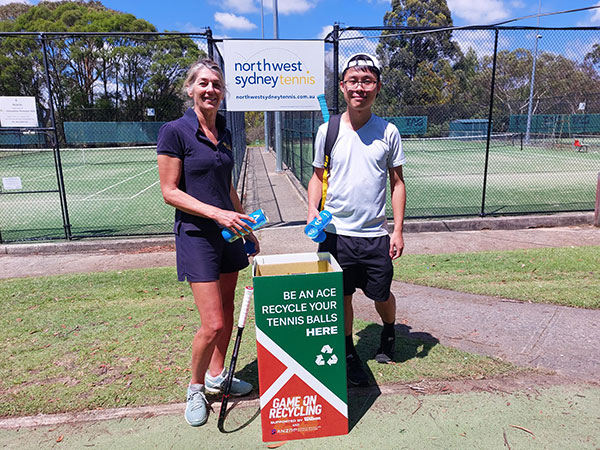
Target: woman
{"x":195,"y":163}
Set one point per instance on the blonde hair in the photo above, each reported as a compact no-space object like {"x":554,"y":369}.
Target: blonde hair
{"x":192,"y":73}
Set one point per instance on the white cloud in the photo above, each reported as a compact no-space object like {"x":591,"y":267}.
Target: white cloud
{"x":231,"y":21}
{"x":6,"y":2}
{"x":518,"y":4}
{"x":240,"y":6}
{"x":288,"y":7}
{"x":480,"y":12}
{"x":595,"y":19}
{"x":591,"y":18}
{"x":325,"y":31}
{"x":191,"y":28}
{"x":481,"y":41}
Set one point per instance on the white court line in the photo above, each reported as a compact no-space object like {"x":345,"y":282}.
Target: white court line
{"x":120,"y":182}
{"x":104,"y":199}
{"x":144,"y":190}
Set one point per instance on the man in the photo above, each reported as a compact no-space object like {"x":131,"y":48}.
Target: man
{"x":366,"y":149}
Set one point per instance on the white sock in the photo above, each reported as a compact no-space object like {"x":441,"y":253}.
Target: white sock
{"x":223,"y":372}
{"x":196,"y":387}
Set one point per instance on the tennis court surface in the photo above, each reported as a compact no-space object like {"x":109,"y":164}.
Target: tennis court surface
{"x":109,"y":192}
{"x":114,"y":191}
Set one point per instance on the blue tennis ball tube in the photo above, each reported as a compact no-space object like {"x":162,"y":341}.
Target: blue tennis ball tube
{"x":316,"y":228}
{"x":258,"y":215}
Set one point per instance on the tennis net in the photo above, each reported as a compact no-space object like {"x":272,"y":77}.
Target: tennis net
{"x":461,"y":143}
{"x":43,"y":157}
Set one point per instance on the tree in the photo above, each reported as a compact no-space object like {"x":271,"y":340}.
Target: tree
{"x":11,"y":11}
{"x":560,"y":84}
{"x":414,"y":61}
{"x":93,"y":76}
{"x":558,"y":74}
{"x":255,"y":126}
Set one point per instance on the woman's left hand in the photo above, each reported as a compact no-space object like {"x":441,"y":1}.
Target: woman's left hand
{"x":252,"y":238}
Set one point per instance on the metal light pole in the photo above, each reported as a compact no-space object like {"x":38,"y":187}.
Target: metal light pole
{"x":278,"y":164}
{"x":266,"y":118}
{"x":535,"y":50}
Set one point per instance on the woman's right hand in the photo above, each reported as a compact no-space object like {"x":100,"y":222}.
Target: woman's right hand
{"x":234,"y":221}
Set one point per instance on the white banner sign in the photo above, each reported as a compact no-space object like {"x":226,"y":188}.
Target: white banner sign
{"x":274,"y":75}
{"x":16,"y":112}
{"x":12,"y":183}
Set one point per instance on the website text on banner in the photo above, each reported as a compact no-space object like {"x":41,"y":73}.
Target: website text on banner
{"x":274,"y":75}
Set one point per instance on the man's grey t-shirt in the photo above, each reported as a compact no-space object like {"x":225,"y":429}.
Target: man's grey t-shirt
{"x":357,"y":182}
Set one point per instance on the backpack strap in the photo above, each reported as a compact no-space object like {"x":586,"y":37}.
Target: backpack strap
{"x":333,"y":129}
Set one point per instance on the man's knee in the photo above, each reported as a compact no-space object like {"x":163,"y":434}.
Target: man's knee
{"x":389,"y":302}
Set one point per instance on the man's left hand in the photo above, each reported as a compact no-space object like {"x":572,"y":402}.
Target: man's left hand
{"x":396,"y":245}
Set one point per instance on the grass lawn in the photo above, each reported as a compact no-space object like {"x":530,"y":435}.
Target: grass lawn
{"x":564,"y":276}
{"x":112,"y":339}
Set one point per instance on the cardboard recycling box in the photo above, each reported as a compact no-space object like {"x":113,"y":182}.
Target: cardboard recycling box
{"x":299,"y":311}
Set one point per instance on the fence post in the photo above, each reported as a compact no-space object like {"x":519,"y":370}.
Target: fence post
{"x":489,"y":127}
{"x":210,"y":42}
{"x":597,"y":209}
{"x":336,"y":67}
{"x":56,"y":150}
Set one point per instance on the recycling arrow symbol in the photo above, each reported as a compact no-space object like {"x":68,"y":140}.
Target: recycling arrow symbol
{"x":326,"y":350}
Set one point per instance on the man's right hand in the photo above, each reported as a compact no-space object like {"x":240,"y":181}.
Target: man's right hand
{"x":312,"y":213}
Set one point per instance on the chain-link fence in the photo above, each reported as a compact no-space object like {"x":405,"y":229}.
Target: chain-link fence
{"x":89,"y":168}
{"x":493,"y":120}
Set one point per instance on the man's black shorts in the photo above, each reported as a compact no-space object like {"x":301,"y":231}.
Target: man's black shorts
{"x":365,"y":261}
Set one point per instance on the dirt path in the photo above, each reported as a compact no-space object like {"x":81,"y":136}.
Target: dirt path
{"x":51,"y":259}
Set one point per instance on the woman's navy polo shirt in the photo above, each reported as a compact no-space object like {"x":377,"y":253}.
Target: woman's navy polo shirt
{"x":206,"y":168}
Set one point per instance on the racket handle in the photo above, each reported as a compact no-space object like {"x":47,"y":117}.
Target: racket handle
{"x":324,"y":109}
{"x":245,"y":305}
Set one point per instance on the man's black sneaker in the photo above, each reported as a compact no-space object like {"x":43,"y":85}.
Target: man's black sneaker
{"x":355,"y":373}
{"x":385,"y":352}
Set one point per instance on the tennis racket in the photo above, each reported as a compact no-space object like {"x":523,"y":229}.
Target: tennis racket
{"x":238,"y":339}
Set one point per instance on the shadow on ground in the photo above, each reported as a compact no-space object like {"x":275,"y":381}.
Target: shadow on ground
{"x":408,"y":346}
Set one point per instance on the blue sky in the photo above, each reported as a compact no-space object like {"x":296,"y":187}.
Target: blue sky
{"x":312,"y":19}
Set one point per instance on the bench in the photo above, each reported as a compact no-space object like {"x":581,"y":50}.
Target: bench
{"x":580,"y":147}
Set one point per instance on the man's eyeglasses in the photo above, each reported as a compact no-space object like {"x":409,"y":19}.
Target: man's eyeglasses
{"x":367,"y":84}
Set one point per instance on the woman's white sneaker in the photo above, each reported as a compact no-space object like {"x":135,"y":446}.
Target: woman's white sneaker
{"x":196,"y":410}
{"x":216,"y":385}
